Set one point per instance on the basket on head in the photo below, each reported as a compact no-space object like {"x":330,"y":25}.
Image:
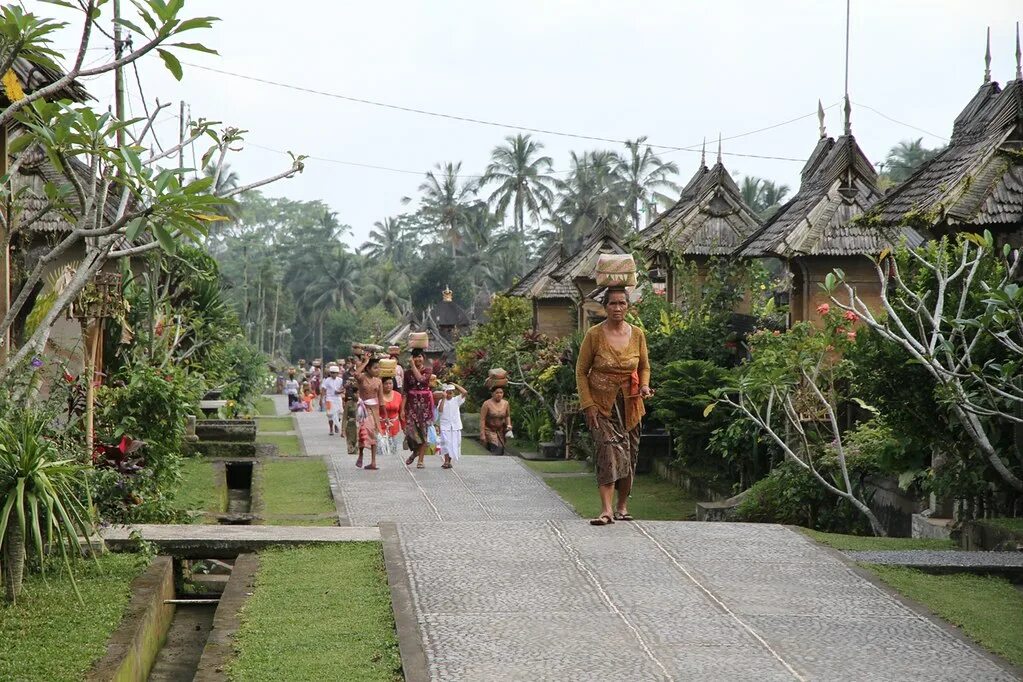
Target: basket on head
{"x":616,"y":270}
{"x":387,"y":367}
{"x":497,"y":378}
{"x":372,"y":348}
{"x":394,"y":350}
{"x":418,"y":340}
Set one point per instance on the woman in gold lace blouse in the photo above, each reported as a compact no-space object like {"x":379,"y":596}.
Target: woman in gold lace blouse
{"x":613,"y":378}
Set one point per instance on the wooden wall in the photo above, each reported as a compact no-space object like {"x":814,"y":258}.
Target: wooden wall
{"x":554,"y":317}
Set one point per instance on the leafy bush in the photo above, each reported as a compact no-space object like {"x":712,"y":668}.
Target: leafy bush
{"x":148,"y":404}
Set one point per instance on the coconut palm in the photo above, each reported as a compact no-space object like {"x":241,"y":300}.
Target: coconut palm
{"x":386,"y":242}
{"x":334,"y":281}
{"x":388,"y":287}
{"x":763,"y":196}
{"x":643,"y":176}
{"x":446,"y":200}
{"x":522,"y":178}
{"x":906,"y":157}
{"x":593,"y":191}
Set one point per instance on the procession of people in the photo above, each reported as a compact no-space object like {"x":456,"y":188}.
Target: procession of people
{"x":380,"y":405}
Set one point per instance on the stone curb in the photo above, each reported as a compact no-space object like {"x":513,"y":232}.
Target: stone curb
{"x":916,"y":607}
{"x":537,"y":476}
{"x":410,"y":637}
{"x":219,"y":648}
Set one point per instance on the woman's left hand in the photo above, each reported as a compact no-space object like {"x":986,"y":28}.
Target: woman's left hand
{"x":646,"y":392}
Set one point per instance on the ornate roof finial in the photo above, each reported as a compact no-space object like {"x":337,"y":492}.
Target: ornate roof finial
{"x":1019,"y":57}
{"x":820,"y":120}
{"x":447,"y":295}
{"x":719,"y":147}
{"x":848,"y":115}
{"x":703,"y":153}
{"x":987,"y":58}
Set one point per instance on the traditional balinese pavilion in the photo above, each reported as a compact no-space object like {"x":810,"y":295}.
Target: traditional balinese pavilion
{"x":439,"y":349}
{"x":976,"y":182}
{"x":815,"y":231}
{"x":558,"y":286}
{"x":452,"y":321}
{"x":710,"y":219}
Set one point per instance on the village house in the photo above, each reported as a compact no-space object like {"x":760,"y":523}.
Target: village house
{"x":815,"y":232}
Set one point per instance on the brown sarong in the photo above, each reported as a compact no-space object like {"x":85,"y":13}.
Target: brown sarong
{"x":617,"y":448}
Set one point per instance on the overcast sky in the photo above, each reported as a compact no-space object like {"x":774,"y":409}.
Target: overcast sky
{"x":672,"y":70}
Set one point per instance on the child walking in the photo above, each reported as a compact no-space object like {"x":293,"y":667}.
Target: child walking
{"x":451,"y":424}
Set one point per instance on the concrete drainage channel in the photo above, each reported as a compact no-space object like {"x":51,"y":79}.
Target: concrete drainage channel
{"x":239,"y":476}
{"x":180,"y":621}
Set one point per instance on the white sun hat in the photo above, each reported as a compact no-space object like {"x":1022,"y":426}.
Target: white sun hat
{"x":333,"y":368}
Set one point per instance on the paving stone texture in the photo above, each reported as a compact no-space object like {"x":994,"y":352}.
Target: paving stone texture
{"x":507,"y":583}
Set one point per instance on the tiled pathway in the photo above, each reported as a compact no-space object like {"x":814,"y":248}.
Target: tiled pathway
{"x":508,"y":584}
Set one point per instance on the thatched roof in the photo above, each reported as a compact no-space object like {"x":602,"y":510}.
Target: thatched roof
{"x":538,"y":283}
{"x":583,"y":263}
{"x":410,"y":323}
{"x":710,"y":218}
{"x":977,"y":181}
{"x":838,"y":184}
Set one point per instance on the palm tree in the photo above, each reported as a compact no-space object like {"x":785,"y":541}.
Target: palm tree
{"x":388,"y":287}
{"x":643,"y":175}
{"x":763,"y":196}
{"x":906,"y":157}
{"x":333,"y":282}
{"x":522,"y":178}
{"x":594,"y":190}
{"x":386,"y":242}
{"x":446,"y":200}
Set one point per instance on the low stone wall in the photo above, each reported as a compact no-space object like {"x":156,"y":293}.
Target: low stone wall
{"x":982,"y":535}
{"x":205,"y":448}
{"x":219,"y":647}
{"x":132,"y":649}
{"x":230,"y":430}
{"x":695,"y":488}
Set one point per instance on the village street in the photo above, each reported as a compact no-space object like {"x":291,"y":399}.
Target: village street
{"x":507,"y":583}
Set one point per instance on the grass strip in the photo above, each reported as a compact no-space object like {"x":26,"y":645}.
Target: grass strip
{"x":299,"y":487}
{"x":566,"y":466}
{"x":652,"y":499}
{"x":1011,"y":524}
{"x":270,"y":424}
{"x":49,"y":636}
{"x":319,"y":613}
{"x":988,"y":609}
{"x":287,"y":445}
{"x":472,"y":446}
{"x":199,"y":490}
{"x":866,"y":543}
{"x":264,"y":406}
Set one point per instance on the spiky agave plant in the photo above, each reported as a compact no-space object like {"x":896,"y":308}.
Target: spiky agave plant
{"x":39,"y":501}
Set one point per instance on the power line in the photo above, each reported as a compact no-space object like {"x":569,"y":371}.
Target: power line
{"x":901,"y":123}
{"x":496,"y":124}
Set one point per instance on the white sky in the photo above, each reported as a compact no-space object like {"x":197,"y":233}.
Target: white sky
{"x":676,"y":71}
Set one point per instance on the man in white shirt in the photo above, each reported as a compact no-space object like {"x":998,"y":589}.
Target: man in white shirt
{"x":451,"y":423}
{"x":332,"y":389}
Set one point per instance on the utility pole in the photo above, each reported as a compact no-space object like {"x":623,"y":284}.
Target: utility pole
{"x":118,"y":73}
{"x":181,"y":136}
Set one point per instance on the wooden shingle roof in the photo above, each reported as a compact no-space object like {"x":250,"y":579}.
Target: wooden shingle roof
{"x":838,"y":184}
{"x":535,"y":280}
{"x":399,"y":335}
{"x":977,"y":180}
{"x":33,"y":76}
{"x":583,"y":263}
{"x":710,"y":218}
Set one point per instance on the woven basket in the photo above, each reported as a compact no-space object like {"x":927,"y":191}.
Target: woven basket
{"x":616,"y":270}
{"x":394,"y":350}
{"x":418,"y":340}
{"x":388,"y":367}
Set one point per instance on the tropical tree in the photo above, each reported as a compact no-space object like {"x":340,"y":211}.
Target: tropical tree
{"x":388,"y":287}
{"x":593,"y":191}
{"x":523,"y":180}
{"x":387,"y":242}
{"x":906,"y":157}
{"x":446,"y":200}
{"x":644,"y":175}
{"x":763,"y":196}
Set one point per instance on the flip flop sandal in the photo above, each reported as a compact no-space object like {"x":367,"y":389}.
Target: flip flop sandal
{"x":445,"y":466}
{"x":420,"y":466}
{"x":626,"y":516}
{"x":408,"y":462}
{"x":602,"y":520}
{"x":370,"y":467}
{"x":358,"y":462}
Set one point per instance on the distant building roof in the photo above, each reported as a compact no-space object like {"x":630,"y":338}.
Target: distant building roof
{"x":447,"y":313}
{"x":538,"y":283}
{"x":977,"y":180}
{"x":838,"y":184}
{"x":32,"y":77}
{"x":409,"y":324}
{"x":583,"y":263}
{"x":710,"y":218}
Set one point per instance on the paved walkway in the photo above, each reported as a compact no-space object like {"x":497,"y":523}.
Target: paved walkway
{"x":507,"y":583}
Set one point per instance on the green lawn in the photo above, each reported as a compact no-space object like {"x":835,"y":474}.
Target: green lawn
{"x":866,"y":543}
{"x":199,"y":490}
{"x":265,"y":406}
{"x":319,"y":613}
{"x":266,"y":424}
{"x":299,"y":487}
{"x":472,"y":446}
{"x":49,"y":636}
{"x":652,"y":499}
{"x":567,"y":466}
{"x":286,"y":445}
{"x":989,"y":610}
